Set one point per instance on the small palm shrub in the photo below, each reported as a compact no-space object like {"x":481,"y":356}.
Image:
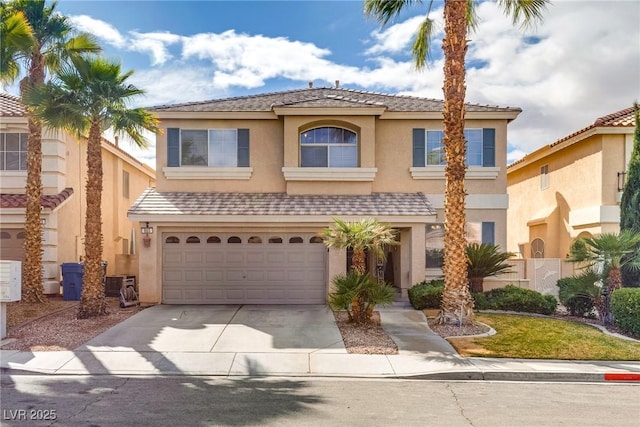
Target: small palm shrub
{"x":426,"y":294}
{"x":358,"y":294}
{"x":625,"y":305}
{"x":580,"y":294}
{"x":485,"y":260}
{"x":513,"y":298}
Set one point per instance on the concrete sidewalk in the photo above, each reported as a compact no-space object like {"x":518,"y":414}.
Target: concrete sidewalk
{"x":286,"y":341}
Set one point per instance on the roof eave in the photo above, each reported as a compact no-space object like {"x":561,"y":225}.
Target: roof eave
{"x":334,"y":111}
{"x":206,"y":115}
{"x":561,"y":144}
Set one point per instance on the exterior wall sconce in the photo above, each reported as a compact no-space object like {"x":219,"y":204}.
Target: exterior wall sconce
{"x":622,"y":178}
{"x":146,"y":231}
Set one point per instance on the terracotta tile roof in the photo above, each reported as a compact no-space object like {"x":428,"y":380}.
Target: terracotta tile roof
{"x":10,"y":106}
{"x":622,"y":118}
{"x":48,"y":201}
{"x":321,"y":97}
{"x":152,"y":202}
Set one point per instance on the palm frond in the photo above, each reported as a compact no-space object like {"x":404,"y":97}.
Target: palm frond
{"x":525,"y":13}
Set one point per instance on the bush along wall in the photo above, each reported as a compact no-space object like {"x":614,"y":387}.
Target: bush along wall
{"x":510,"y":298}
{"x":625,"y":306}
{"x":426,"y":294}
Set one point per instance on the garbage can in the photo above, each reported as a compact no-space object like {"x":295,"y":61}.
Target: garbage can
{"x":71,"y":280}
{"x":72,"y":275}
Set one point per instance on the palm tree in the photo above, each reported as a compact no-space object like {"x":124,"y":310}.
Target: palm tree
{"x":46,"y":46}
{"x":91,"y":96}
{"x":458,"y":17}
{"x":365,"y":234}
{"x":608,"y":253}
{"x":485,"y":260}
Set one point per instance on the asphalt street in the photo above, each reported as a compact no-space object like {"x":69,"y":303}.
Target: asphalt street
{"x":105,"y":400}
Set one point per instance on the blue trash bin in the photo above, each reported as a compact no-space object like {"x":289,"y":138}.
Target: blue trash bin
{"x":71,"y":281}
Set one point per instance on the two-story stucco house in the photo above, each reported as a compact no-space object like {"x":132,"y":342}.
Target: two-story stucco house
{"x":63,"y":203}
{"x":245,"y":184}
{"x":569,"y":189}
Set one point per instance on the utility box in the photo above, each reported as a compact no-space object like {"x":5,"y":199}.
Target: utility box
{"x":10,"y":281}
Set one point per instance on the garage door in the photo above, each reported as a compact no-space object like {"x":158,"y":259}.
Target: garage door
{"x":243,"y":268}
{"x":12,"y":244}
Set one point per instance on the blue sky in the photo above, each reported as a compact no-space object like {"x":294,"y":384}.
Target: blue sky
{"x":581,"y":63}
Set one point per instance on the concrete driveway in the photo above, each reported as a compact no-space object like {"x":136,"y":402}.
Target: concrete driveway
{"x":224,"y":329}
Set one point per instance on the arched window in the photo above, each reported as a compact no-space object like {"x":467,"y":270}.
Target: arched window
{"x":213,"y":239}
{"x":193,"y":239}
{"x":255,"y":239}
{"x":316,"y":239}
{"x":5,"y":235}
{"x":275,"y":239}
{"x":172,"y":239}
{"x":331,"y":147}
{"x":296,"y":240}
{"x":234,"y":239}
{"x":20,"y":235}
{"x":537,"y":248}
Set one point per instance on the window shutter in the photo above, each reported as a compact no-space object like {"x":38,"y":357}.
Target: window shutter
{"x":488,"y":232}
{"x":488,"y":147}
{"x":243,"y":148}
{"x":418,"y":148}
{"x":173,"y":147}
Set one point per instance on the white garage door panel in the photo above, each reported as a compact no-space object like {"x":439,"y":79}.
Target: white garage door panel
{"x":242,"y":273}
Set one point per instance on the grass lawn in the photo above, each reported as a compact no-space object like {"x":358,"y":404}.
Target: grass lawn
{"x":526,"y":337}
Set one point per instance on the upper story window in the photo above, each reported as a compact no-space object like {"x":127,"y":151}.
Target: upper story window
{"x":207,"y":154}
{"x":125,"y":184}
{"x":13,"y":151}
{"x":428,"y":148}
{"x":544,"y":177}
{"x":208,"y":147}
{"x":329,"y":147}
{"x":213,"y":147}
{"x":434,"y":153}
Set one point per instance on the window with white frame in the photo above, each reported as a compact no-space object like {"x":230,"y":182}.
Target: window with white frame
{"x":544,"y":177}
{"x":13,"y":151}
{"x":331,"y":147}
{"x":435,"y":147}
{"x":213,"y":147}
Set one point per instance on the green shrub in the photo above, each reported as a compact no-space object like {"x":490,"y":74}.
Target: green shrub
{"x":480,"y":301}
{"x":513,"y":298}
{"x":625,"y":305}
{"x":426,"y":294}
{"x":358,"y":294}
{"x":579,"y":293}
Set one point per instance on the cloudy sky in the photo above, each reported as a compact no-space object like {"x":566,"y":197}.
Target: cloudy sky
{"x":581,"y":63}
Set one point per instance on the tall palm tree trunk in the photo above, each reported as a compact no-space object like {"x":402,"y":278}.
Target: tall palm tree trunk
{"x":92,"y":301}
{"x":456,"y":299}
{"x":32,"y":289}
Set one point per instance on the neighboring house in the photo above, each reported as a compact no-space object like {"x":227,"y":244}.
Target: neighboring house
{"x":569,"y":189}
{"x":63,"y":202}
{"x":245,"y":184}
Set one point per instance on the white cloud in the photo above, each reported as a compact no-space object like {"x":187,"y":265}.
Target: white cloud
{"x":155,"y":44}
{"x":397,"y":38}
{"x":99,"y":29}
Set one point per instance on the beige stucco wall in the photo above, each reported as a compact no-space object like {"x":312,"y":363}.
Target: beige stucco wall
{"x":581,"y":197}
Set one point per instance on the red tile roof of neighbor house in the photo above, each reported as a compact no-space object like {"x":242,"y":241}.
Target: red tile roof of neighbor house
{"x":47,"y":201}
{"x":619,"y":119}
{"x":152,"y":202}
{"x":325,"y":97}
{"x":622,"y":118}
{"x":10,"y":106}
